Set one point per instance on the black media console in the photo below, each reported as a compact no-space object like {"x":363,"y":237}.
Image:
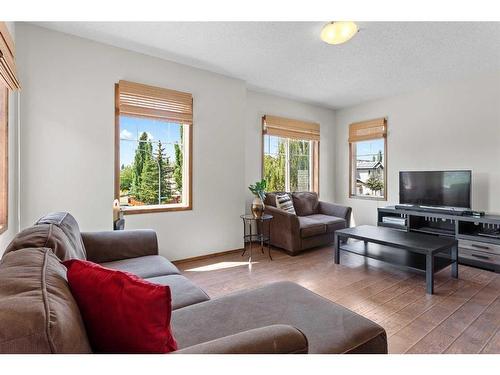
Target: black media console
{"x":478,"y":238}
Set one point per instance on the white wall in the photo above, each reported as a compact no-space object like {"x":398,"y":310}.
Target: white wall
{"x":67,"y":112}
{"x":13,"y":223}
{"x":258,"y":105}
{"x":67,"y":117}
{"x":451,"y":126}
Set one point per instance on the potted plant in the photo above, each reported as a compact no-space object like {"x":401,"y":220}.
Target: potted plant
{"x":259,"y":190}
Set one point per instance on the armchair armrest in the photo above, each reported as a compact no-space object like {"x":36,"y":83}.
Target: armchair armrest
{"x":336,"y":210}
{"x":287,"y":219}
{"x":274,"y":339}
{"x":114,"y":245}
{"x":285,"y":229}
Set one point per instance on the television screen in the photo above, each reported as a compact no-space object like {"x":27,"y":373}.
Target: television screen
{"x":436,"y":188}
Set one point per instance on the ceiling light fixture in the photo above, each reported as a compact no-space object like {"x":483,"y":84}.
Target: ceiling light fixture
{"x":338,"y":32}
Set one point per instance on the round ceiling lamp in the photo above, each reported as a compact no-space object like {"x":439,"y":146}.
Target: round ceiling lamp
{"x":338,"y":32}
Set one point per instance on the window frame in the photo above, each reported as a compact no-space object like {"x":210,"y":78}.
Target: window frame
{"x":146,"y":209}
{"x":4,"y":162}
{"x":314,"y":162}
{"x":8,"y":83}
{"x":352,"y":169}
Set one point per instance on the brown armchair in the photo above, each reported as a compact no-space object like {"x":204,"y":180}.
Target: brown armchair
{"x":314,"y":223}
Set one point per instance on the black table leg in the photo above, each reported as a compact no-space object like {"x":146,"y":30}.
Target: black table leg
{"x":244,"y":238}
{"x":269,"y":239}
{"x":337,"y":249}
{"x":429,"y":273}
{"x":454,"y":259}
{"x":260,"y":232}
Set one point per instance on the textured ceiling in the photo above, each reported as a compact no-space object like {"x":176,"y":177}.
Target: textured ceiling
{"x":289,"y":59}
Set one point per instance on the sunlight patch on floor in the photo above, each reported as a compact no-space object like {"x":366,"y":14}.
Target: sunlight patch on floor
{"x":220,"y":266}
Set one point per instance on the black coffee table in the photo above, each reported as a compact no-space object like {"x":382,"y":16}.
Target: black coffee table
{"x":417,"y":251}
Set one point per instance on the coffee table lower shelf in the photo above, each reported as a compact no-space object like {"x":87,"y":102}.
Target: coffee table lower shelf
{"x":416,"y":251}
{"x":397,"y":257}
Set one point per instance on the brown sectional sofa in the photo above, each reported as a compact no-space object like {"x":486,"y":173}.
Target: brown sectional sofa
{"x":39,"y":315}
{"x":314,"y":223}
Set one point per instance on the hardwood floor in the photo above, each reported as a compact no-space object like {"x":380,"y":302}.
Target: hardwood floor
{"x":463,"y":316}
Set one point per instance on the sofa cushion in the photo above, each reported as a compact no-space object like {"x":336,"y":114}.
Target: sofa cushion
{"x":146,"y":266}
{"x":305,"y":203}
{"x":332,"y":223}
{"x":45,"y":235}
{"x":310,"y":227}
{"x":38,"y":313}
{"x":184,"y":292}
{"x":329,"y":327}
{"x":69,"y":226}
{"x":122,"y":312}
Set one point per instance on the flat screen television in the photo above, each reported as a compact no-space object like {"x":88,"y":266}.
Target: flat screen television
{"x":436,"y":188}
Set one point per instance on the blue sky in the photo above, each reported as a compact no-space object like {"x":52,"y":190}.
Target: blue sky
{"x":131,"y":129}
{"x":367,"y":149}
{"x":271,"y":145}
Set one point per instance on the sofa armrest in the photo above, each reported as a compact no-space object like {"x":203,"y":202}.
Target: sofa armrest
{"x":274,"y":339}
{"x":114,"y":245}
{"x":336,"y":210}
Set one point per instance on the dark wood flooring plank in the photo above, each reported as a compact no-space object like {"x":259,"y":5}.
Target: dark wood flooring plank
{"x":451,"y":328}
{"x":493,"y":344}
{"x":409,"y":335}
{"x":479,"y":333}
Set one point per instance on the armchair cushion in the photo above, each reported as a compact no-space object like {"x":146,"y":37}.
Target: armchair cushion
{"x":145,"y":267}
{"x":305,"y":203}
{"x":270,"y":199}
{"x":331,"y":223}
{"x":310,"y":227}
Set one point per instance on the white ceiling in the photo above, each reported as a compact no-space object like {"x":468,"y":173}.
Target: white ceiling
{"x":289,"y":59}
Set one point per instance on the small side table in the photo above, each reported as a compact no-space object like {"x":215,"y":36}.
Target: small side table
{"x":253,"y":231}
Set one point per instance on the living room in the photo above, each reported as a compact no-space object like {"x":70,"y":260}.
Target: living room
{"x":254,"y":164}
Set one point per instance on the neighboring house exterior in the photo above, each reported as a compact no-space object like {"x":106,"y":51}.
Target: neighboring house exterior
{"x":364,"y":170}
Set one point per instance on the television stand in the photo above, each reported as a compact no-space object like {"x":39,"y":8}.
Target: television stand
{"x":477,"y":246}
{"x":444,"y":210}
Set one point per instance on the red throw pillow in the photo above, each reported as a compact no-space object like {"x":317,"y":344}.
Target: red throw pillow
{"x":122,"y":312}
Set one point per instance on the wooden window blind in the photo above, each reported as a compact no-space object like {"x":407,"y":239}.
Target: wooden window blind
{"x":366,"y":130}
{"x":8,"y":76}
{"x":287,"y":128}
{"x":140,"y":100}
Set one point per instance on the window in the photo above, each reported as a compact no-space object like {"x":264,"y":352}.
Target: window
{"x":154,"y":148}
{"x":290,"y":154}
{"x":8,"y":81}
{"x":368,"y":159}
